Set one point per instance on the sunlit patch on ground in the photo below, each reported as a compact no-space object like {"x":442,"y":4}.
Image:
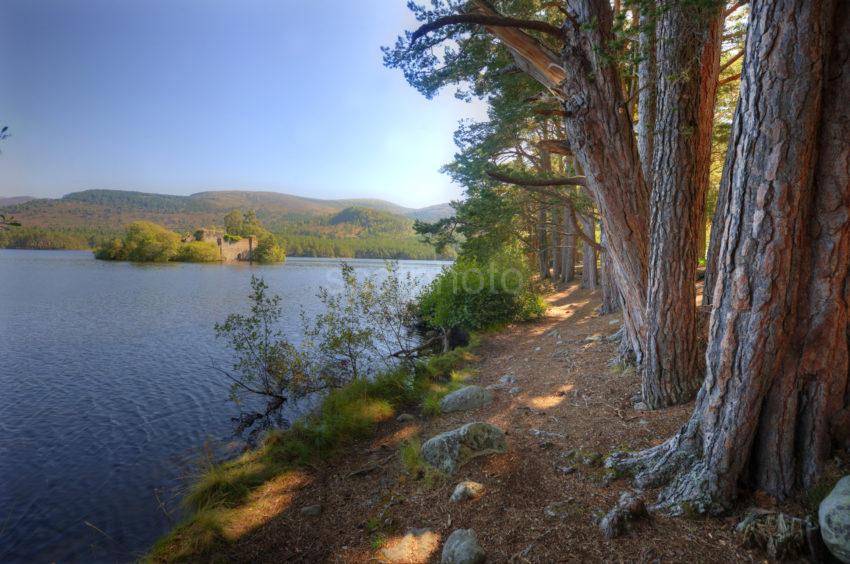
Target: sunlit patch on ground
{"x":267,"y":501}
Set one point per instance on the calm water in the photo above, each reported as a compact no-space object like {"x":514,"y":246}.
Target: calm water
{"x":107,"y":395}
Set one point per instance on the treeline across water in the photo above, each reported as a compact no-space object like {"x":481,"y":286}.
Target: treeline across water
{"x":372,"y":247}
{"x":400,"y":248}
{"x":41,"y":238}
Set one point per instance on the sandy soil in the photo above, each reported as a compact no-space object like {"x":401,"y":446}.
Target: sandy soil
{"x":568,"y":389}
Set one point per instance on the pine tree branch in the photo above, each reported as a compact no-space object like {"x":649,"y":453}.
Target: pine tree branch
{"x":557,"y":146}
{"x":731,"y":61}
{"x":733,"y":8}
{"x":486,"y":20}
{"x":518,"y":181}
{"x":729,"y":79}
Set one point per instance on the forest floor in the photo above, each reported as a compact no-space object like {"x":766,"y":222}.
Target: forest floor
{"x":569,"y":391}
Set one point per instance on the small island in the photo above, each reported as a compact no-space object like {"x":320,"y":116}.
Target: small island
{"x":243,"y":239}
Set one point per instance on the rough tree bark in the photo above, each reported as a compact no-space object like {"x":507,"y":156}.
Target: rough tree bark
{"x":709,"y":82}
{"x":777,"y":359}
{"x":569,"y":260}
{"x":610,"y":293}
{"x":687,"y":63}
{"x":646,"y":91}
{"x":589,"y":278}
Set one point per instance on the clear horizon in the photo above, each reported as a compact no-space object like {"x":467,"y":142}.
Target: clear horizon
{"x":200,"y":95}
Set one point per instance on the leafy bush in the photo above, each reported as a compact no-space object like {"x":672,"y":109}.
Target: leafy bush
{"x":143,"y":242}
{"x":361,"y":328}
{"x":198,"y":251}
{"x":476,"y":295}
{"x":269,"y":251}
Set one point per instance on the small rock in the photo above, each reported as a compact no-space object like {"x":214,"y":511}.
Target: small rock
{"x":462,"y":548}
{"x":311,"y":510}
{"x":450,"y":450}
{"x":629,"y":508}
{"x":566,"y":470}
{"x":834,"y":518}
{"x":507,"y":380}
{"x":515,"y":390}
{"x":467,"y":490}
{"x":641,"y":406}
{"x":417,"y":545}
{"x":558,"y":509}
{"x":536,"y":349}
{"x":468,"y":397}
{"x":503,"y":382}
{"x":405,"y":418}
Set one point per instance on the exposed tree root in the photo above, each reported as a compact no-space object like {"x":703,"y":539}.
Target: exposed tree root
{"x":690,"y":486}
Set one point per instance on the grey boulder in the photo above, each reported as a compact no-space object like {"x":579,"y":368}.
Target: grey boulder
{"x":450,"y":450}
{"x":834,"y":519}
{"x":462,"y":548}
{"x":468,"y":397}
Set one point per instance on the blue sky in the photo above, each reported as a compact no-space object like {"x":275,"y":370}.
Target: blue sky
{"x":179,"y":96}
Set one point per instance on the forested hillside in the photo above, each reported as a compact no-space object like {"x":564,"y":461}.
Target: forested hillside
{"x":310,"y":227}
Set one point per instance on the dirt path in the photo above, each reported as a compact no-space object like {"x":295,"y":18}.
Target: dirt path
{"x":569,"y":392}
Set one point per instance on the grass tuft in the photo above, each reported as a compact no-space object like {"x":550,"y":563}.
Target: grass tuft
{"x":415,"y":465}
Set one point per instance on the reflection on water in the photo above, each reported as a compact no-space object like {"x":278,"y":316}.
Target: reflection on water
{"x":106,"y":390}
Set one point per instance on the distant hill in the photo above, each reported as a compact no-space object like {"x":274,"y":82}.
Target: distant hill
{"x":14,"y":200}
{"x":111,"y":209}
{"x":93,"y":215}
{"x":432,"y":213}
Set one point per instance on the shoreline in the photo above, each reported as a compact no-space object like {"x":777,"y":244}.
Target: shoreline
{"x":570,"y":409}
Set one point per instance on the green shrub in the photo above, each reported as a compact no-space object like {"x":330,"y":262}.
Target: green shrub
{"x":269,"y":251}
{"x":477,"y":295}
{"x":198,"y":251}
{"x":143,"y":242}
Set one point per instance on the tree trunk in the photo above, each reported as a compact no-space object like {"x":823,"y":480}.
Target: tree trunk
{"x":588,"y":254}
{"x":569,"y":260}
{"x":542,"y":244}
{"x":646,"y":91}
{"x":687,"y":59}
{"x":777,"y":360}
{"x":557,"y":252}
{"x":709,"y":76}
{"x":610,"y":293}
{"x":602,"y":138}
